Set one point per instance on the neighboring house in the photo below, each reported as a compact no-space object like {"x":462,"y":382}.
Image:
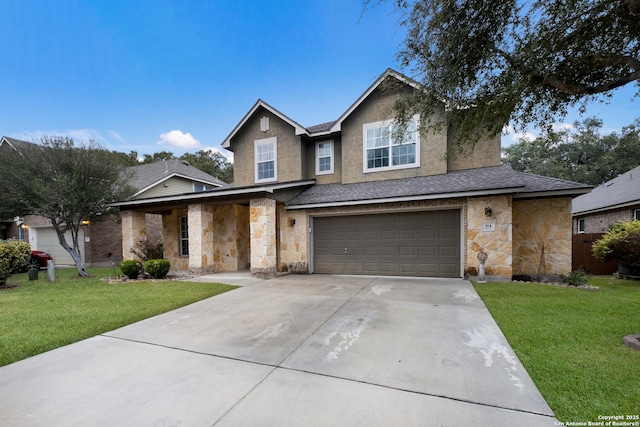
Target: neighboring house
{"x":346,"y":197}
{"x":593,"y":213}
{"x":101,"y":241}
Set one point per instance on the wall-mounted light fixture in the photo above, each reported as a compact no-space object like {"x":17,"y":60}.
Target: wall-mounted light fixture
{"x":488,"y":211}
{"x":85,"y":222}
{"x":24,"y":226}
{"x":292,"y":222}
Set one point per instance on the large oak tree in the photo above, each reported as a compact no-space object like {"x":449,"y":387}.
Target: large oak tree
{"x":492,"y":62}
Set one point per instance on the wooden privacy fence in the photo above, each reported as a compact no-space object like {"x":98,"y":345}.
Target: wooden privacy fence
{"x":581,"y":256}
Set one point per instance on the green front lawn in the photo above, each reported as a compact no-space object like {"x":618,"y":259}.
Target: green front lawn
{"x":570,"y":342}
{"x":38,"y":316}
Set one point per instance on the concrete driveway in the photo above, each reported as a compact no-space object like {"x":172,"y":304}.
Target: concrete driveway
{"x":299,"y":350}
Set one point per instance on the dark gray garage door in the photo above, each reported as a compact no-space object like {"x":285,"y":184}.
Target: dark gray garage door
{"x":402,"y":244}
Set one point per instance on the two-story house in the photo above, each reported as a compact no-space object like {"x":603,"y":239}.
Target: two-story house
{"x":355,"y":197}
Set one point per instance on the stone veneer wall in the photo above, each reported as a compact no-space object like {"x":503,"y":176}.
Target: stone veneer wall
{"x":538,"y":223}
{"x":230,"y":238}
{"x":134,"y":229}
{"x":498,"y":244}
{"x":200,"y":236}
{"x":294,"y":241}
{"x":264,"y":251}
{"x":171,"y":236}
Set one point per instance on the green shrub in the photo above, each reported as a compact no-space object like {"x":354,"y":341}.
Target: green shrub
{"x":130,"y":268}
{"x":145,"y":250}
{"x":14,"y":256}
{"x":622,"y":243}
{"x":575,"y":278}
{"x":157,"y":268}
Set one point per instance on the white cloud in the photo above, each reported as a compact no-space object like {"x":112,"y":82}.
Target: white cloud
{"x":558,"y":127}
{"x":177,"y":138}
{"x":514,"y":137}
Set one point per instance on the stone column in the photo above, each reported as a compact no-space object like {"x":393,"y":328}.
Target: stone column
{"x":134,"y":229}
{"x":200,"y":219}
{"x":262,"y":222}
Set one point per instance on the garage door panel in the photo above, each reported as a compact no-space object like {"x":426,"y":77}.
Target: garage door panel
{"x":409,"y":243}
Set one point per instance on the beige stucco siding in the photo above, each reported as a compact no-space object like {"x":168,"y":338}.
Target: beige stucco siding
{"x":289,"y":150}
{"x":542,"y":223}
{"x":485,"y":153}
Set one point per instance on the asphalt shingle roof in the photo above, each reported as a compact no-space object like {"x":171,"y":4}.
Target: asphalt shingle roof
{"x":142,"y":176}
{"x":323,"y":127}
{"x":479,"y":180}
{"x":620,"y":190}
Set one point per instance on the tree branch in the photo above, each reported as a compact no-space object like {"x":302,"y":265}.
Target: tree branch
{"x":571,"y":89}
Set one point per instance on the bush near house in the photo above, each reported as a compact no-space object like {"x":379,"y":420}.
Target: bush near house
{"x":622,"y":243}
{"x":145,"y":250}
{"x":14,"y":256}
{"x":130,"y":268}
{"x":157,"y":268}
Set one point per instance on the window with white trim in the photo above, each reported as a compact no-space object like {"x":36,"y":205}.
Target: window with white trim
{"x":581,"y":225}
{"x":266,"y":155}
{"x":636,"y":214}
{"x":324,"y":157}
{"x":384,"y":149}
{"x":184,"y":236}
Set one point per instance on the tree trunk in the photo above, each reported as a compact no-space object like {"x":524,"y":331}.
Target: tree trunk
{"x":74,"y":250}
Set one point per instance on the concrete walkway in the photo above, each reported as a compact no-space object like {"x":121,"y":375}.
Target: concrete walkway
{"x":299,"y":350}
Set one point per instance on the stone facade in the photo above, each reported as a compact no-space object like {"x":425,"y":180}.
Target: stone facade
{"x":293,"y":240}
{"x":538,"y":224}
{"x":171,"y":237}
{"x":264,"y":250}
{"x":134,"y":229}
{"x":492,"y":235}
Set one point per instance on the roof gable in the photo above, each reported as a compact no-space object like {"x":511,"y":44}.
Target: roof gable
{"x":337,"y":125}
{"x":144,"y":177}
{"x":298,"y":128}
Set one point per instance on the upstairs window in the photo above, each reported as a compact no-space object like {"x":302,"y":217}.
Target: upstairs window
{"x":324,"y":157}
{"x":266,"y":155}
{"x":384,"y":149}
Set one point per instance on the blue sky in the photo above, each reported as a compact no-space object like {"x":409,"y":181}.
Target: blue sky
{"x":177,"y":76}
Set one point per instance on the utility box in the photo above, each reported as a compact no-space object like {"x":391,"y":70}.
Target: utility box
{"x":33,"y":272}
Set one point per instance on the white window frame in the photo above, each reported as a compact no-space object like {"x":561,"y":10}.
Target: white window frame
{"x":183,"y":237}
{"x":331,"y":157}
{"x":383,"y":124}
{"x":256,"y":147}
{"x":583,"y":222}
